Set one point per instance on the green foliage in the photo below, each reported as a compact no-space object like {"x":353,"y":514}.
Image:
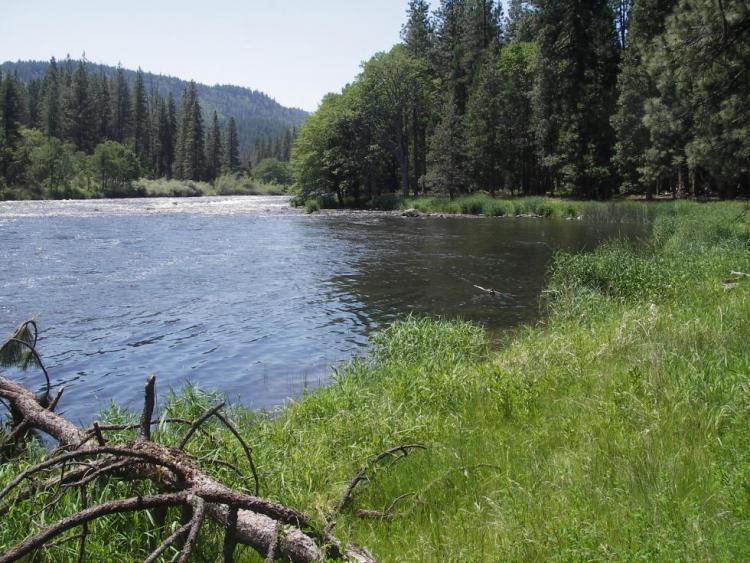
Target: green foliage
{"x":312,"y":205}
{"x":172,"y":188}
{"x":232,"y":147}
{"x":616,"y":270}
{"x":235,"y":184}
{"x":116,"y":167}
{"x":574,"y":94}
{"x":446,"y":157}
{"x":85,"y":109}
{"x":190,"y":161}
{"x":273,"y":171}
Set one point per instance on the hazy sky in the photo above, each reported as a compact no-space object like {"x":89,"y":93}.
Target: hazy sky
{"x":295,"y":51}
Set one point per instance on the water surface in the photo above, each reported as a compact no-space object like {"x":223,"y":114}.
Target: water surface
{"x":246,"y":295}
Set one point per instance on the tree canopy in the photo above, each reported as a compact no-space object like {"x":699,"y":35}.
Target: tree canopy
{"x":588,"y":99}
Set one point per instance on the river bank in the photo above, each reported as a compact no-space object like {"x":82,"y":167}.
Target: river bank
{"x":613,"y":428}
{"x":485,"y":205}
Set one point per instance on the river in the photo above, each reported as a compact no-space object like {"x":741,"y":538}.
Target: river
{"x":246,"y":295}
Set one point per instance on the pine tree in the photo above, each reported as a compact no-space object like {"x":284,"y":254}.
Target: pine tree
{"x":51,"y":114}
{"x":122,"y":111}
{"x":78,"y":111}
{"x":169,"y":141}
{"x":635,"y":87}
{"x":446,"y":161}
{"x":214,"y":153}
{"x":622,"y":9}
{"x":418,"y":35}
{"x":34,"y":104}
{"x":519,"y":25}
{"x":232,"y":147}
{"x":417,"y":32}
{"x":287,"y":145}
{"x":191,"y":155}
{"x":575,"y":93}
{"x":700,"y":120}
{"x":480,"y":29}
{"x":103,"y":107}
{"x":482,"y":123}
{"x":449,"y":20}
{"x":11,"y":115}
{"x":141,"y":124}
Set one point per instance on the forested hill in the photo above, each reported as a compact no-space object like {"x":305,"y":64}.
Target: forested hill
{"x":258,"y":116}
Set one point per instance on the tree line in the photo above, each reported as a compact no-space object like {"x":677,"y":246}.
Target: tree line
{"x":73,"y":131}
{"x":588,"y":99}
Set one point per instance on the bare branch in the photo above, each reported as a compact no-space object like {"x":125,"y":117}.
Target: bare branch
{"x":56,"y":399}
{"x":245,"y":448}
{"x":246,"y":519}
{"x":388,"y":512}
{"x":63,"y":541}
{"x":148,"y":407}
{"x":220,"y":463}
{"x":230,"y":538}
{"x":198,"y":421}
{"x":361,"y":475}
{"x":167,"y":543}
{"x":86,"y":453}
{"x":199,"y":512}
{"x":98,"y":434}
{"x":89,"y":514}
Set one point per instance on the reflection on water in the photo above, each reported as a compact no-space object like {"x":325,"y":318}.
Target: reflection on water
{"x":246,"y":295}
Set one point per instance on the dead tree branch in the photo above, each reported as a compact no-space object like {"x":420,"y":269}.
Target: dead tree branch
{"x":167,"y":543}
{"x":198,"y":421}
{"x":149,"y":401}
{"x":264,"y":525}
{"x":399,"y":452}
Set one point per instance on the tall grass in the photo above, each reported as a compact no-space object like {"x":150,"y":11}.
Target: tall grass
{"x":614,"y":429}
{"x":227,"y":184}
{"x":484,"y":204}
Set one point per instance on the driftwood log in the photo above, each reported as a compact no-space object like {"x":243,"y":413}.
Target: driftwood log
{"x":275,"y":531}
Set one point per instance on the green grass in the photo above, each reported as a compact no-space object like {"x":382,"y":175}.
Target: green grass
{"x":616,"y":428}
{"x":482,"y":204}
{"x":485,"y":205}
{"x":223,"y":185}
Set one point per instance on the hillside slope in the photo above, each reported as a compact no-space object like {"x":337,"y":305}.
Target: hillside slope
{"x":258,"y":116}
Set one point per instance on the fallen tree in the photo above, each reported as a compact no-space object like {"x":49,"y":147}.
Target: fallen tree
{"x":84,"y":456}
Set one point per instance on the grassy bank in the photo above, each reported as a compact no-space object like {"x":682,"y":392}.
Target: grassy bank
{"x":614,"y":429}
{"x":488,"y":206}
{"x":223,"y":185}
{"x":144,"y":187}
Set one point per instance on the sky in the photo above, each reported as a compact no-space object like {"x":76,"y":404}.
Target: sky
{"x":295,"y":51}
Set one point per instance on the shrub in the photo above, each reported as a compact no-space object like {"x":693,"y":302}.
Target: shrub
{"x":273,"y":171}
{"x":312,"y":205}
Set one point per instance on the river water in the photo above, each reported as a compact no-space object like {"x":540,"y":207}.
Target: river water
{"x":246,"y":295}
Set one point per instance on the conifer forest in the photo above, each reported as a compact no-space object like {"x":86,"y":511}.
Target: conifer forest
{"x":74,"y":129}
{"x":588,"y":99}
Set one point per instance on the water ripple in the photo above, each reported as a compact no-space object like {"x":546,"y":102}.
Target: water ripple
{"x":246,"y":295}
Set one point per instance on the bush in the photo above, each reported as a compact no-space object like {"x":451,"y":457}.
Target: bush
{"x":312,"y":205}
{"x":273,"y":171}
{"x":172,"y":188}
{"x":116,"y":167}
{"x":473,"y":205}
{"x":387,"y":202}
